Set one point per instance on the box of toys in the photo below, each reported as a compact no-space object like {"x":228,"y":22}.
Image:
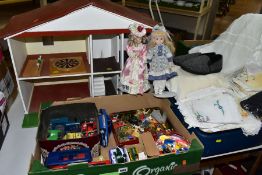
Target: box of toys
{"x":68,"y":127}
{"x":135,"y":135}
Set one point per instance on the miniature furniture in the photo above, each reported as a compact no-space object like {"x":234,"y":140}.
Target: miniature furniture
{"x":56,"y":56}
{"x":200,"y":12}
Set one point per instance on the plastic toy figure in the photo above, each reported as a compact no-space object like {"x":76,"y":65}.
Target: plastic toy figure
{"x":134,"y":75}
{"x":173,"y":143}
{"x":39,"y":61}
{"x":160,"y":58}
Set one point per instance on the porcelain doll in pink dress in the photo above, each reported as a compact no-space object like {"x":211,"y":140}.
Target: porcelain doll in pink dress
{"x":134,"y":75}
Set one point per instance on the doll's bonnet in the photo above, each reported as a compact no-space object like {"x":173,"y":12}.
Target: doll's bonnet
{"x":137,"y":29}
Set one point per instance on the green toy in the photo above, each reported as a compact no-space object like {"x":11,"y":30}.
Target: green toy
{"x":53,"y":134}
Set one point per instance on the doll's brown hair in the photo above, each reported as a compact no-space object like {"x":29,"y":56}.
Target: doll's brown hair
{"x":131,"y":39}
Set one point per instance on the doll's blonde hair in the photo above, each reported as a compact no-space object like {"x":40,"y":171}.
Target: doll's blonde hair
{"x":167,"y":41}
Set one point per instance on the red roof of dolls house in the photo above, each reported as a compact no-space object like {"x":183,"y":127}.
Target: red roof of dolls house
{"x":19,"y":23}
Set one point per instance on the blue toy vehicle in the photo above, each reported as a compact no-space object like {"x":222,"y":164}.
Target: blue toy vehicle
{"x":65,"y":125}
{"x":105,"y":126}
{"x":63,"y":158}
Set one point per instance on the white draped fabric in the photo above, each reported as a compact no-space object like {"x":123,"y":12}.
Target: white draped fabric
{"x":240,"y":44}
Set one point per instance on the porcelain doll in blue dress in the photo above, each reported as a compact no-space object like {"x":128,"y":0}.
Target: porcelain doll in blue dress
{"x":160,"y":58}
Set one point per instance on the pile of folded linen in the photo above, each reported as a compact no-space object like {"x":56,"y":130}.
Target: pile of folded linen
{"x":248,"y":82}
{"x":216,"y":109}
{"x":211,"y":101}
{"x":208,"y":102}
{"x":253,"y":104}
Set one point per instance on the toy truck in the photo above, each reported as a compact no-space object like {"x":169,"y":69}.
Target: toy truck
{"x":63,"y":158}
{"x":105,"y":126}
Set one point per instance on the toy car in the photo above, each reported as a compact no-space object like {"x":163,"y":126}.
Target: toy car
{"x":118,"y":155}
{"x":64,"y":124}
{"x":54,"y":134}
{"x":132,"y":153}
{"x":88,"y":128}
{"x":73,"y":135}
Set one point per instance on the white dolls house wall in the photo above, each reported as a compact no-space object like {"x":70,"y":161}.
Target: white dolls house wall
{"x":102,"y":48}
{"x":27,"y":89}
{"x":18,"y":51}
{"x":61,"y":45}
{"x":105,"y":46}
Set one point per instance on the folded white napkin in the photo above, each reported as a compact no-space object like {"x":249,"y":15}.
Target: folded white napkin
{"x":218,"y":108}
{"x":249,"y":124}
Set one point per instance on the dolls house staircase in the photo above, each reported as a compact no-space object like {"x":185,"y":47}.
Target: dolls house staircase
{"x":99,"y":86}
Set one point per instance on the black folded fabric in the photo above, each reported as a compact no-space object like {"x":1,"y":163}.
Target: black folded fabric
{"x":253,"y":104}
{"x":201,"y":64}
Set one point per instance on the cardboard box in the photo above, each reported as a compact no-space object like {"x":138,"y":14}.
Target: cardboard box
{"x":163,"y":165}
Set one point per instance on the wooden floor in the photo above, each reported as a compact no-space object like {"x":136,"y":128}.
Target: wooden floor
{"x":236,"y":10}
{"x":58,"y":92}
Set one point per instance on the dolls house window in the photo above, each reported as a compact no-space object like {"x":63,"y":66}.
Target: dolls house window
{"x":48,"y":40}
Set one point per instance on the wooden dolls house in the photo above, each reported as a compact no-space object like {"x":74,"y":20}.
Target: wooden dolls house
{"x":69,"y":49}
